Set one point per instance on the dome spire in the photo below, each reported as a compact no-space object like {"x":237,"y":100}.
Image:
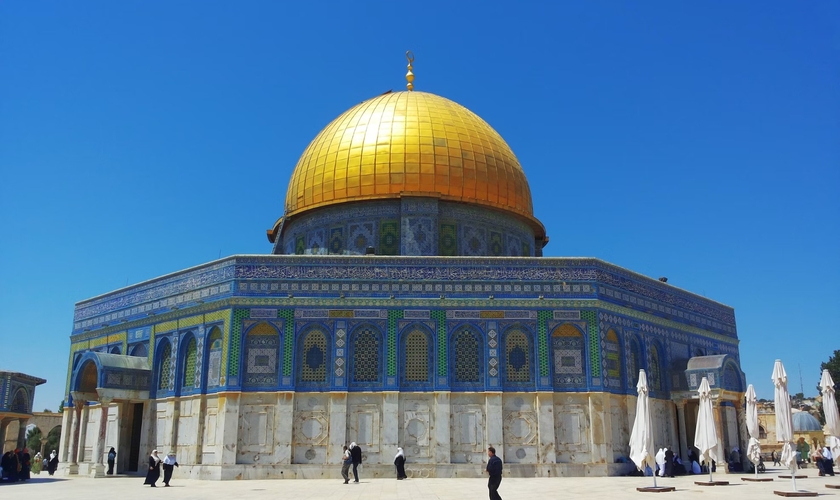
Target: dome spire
{"x":409,"y":76}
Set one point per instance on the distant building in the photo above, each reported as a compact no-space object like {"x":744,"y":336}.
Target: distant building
{"x":17,"y":394}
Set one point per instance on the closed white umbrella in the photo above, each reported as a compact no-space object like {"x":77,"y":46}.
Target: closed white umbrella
{"x":832,"y":419}
{"x":705,"y":437}
{"x":641,"y":439}
{"x":754,"y":448}
{"x":784,"y":421}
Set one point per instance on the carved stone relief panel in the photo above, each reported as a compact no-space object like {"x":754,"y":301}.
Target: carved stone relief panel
{"x":364,"y":426}
{"x":571,"y":430}
{"x":467,"y":433}
{"x":311,"y":430}
{"x":416,"y":428}
{"x":620,"y":429}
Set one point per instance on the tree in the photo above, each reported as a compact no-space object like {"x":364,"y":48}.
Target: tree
{"x":61,"y":407}
{"x":33,"y":440}
{"x":833,"y":366}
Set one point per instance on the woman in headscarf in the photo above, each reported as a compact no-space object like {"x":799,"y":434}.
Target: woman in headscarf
{"x":37,"y":462}
{"x":53,"y":463}
{"x":168,"y":463}
{"x":25,"y":464}
{"x":399,"y":461}
{"x":660,"y":462}
{"x":154,"y":469}
{"x":112,"y":457}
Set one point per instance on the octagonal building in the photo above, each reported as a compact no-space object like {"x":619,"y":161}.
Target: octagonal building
{"x":405,"y":302}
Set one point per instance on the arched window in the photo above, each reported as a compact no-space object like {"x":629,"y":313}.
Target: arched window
{"x":465,"y":366}
{"x":312,"y":358}
{"x":762,"y":432}
{"x":188,"y":376}
{"x":518,"y":357}
{"x":569,"y":351}
{"x":634,"y":362}
{"x":417,"y":358}
{"x":164,"y":365}
{"x":731,"y":378}
{"x":612,"y":355}
{"x":140,"y":350}
{"x":214,"y":357}
{"x":114,"y":350}
{"x":262,"y":355}
{"x":20,"y":403}
{"x":655,"y":375}
{"x":366,"y":345}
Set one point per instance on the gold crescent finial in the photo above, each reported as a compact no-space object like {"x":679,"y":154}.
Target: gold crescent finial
{"x":409,"y":76}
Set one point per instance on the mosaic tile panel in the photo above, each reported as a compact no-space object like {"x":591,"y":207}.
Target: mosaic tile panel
{"x":448,"y":239}
{"x":440,"y":317}
{"x":361,"y":235}
{"x":612,"y":361}
{"x":214,"y":358}
{"x":336,"y":240}
{"x":475,"y":240}
{"x":542,"y":344}
{"x":496,"y":246}
{"x":591,"y":318}
{"x":366,"y":348}
{"x":288,"y":317}
{"x":567,"y":344}
{"x":517,"y":357}
{"x":634,"y":362}
{"x":165,"y":367}
{"x":655,"y":375}
{"x":417,"y":357}
{"x":389,"y":238}
{"x":300,"y":245}
{"x":393,"y":316}
{"x":262,"y":345}
{"x":466,"y":360}
{"x":313,"y":366}
{"x":236,"y":341}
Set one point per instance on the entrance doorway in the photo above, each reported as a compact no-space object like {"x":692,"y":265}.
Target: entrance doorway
{"x":136,"y":428}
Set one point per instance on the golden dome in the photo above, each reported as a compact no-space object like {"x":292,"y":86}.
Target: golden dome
{"x":410,"y":143}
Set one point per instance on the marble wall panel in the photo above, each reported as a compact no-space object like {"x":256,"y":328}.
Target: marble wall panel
{"x":416,"y":426}
{"x":521,"y":428}
{"x":467,"y":428}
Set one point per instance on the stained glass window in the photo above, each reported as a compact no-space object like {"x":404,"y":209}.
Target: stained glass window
{"x":165,"y":366}
{"x":366,"y":355}
{"x":416,"y":357}
{"x":655,"y":376}
{"x":518,"y":356}
{"x":214,"y":358}
{"x":467,"y":352}
{"x":612,"y":355}
{"x":568,"y":349}
{"x":313,"y":356}
{"x":189,"y":364}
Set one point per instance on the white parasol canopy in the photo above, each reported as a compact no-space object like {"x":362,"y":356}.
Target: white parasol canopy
{"x":754,"y":448}
{"x":832,"y":419}
{"x":641,"y":439}
{"x":784,"y":421}
{"x":705,"y":437}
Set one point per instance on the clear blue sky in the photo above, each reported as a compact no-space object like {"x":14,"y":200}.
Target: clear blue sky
{"x":694,"y":140}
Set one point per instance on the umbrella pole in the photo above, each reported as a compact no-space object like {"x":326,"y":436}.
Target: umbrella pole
{"x":654,"y":479}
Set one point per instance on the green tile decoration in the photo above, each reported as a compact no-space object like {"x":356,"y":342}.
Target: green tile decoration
{"x":440,"y":317}
{"x":542,"y":340}
{"x":591,"y":318}
{"x":393,"y":316}
{"x":236,"y":341}
{"x":389,"y":238}
{"x":448,"y":240}
{"x":288,"y":317}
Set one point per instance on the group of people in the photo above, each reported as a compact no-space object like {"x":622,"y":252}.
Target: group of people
{"x":169,"y":463}
{"x":352,"y":456}
{"x":824,"y":460}
{"x":18,"y":465}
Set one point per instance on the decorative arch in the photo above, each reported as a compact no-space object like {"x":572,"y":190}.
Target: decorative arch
{"x":214,"y":358}
{"x":466,"y":361}
{"x":635,"y":362}
{"x":655,"y":376}
{"x":20,"y":401}
{"x":613,"y":359}
{"x":114,"y":350}
{"x":518,"y":357}
{"x":568,"y":349}
{"x":416,"y":357}
{"x":312,"y":358}
{"x":140,"y":351}
{"x":262,"y":356}
{"x":366,"y":354}
{"x":88,"y":377}
{"x":732,"y":377}
{"x":164,"y":365}
{"x":188,"y":362}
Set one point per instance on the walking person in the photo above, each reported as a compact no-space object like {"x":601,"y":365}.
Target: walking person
{"x":346,"y":462}
{"x":37,"y":462}
{"x":828,"y":460}
{"x":52,"y":465}
{"x":399,"y":461}
{"x":168,"y":463}
{"x":356,"y":455}
{"x":154,"y":469}
{"x":494,"y":469}
{"x":775,"y":458}
{"x":112,"y":457}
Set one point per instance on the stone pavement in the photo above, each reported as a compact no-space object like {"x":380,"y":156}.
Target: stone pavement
{"x":131,"y":488}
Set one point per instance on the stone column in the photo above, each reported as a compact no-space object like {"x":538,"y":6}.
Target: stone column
{"x":390,"y":423}
{"x":3,"y":426}
{"x":43,"y":446}
{"x":73,"y":468}
{"x":229,"y":414}
{"x":99,"y":450}
{"x":85,"y":421}
{"x":338,"y":426}
{"x":494,"y":416}
{"x":743,"y":434}
{"x":65,"y":438}
{"x":545,"y":408}
{"x":718,"y":413}
{"x":442,"y":444}
{"x":683,"y":433}
{"x":21,"y":439}
{"x":283,"y":435}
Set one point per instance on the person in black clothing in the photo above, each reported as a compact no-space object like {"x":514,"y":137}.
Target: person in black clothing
{"x":356,"y":455}
{"x":52,"y":465}
{"x":669,"y":462}
{"x":399,"y":461}
{"x":154,"y":469}
{"x":112,"y":457}
{"x":494,"y":469}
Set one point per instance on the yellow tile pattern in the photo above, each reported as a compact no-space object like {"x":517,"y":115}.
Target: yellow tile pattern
{"x":411,"y":142}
